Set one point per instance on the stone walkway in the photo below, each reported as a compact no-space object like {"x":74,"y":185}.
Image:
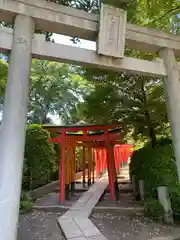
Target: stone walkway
{"x":75,"y":223}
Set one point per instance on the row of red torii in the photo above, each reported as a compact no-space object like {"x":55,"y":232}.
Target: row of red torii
{"x":101,"y":150}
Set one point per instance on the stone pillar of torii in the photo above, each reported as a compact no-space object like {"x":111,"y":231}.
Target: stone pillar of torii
{"x":13,"y":126}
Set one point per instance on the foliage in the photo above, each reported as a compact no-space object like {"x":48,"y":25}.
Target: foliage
{"x":3,"y":80}
{"x":156,"y":166}
{"x":136,"y":102}
{"x":55,"y":90}
{"x":94,"y":5}
{"x":152,"y":208}
{"x":25,"y":203}
{"x":40,"y":160}
{"x":160,"y":14}
{"x":175,"y":196}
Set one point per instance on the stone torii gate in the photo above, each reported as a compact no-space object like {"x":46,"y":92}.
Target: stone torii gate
{"x":112,"y":33}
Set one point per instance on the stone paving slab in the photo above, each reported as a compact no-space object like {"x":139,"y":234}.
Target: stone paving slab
{"x":75,"y":223}
{"x":79,"y":228}
{"x":70,"y":228}
{"x":97,"y":237}
{"x":83,"y":207}
{"x":87,"y":227}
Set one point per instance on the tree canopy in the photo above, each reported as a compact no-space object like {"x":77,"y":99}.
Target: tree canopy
{"x":55,"y":89}
{"x":97,"y":96}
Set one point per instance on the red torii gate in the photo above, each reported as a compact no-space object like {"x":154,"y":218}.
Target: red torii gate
{"x":122,"y":152}
{"x":88,"y":136}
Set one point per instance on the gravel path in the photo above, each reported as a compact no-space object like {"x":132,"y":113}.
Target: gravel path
{"x":117,"y":227}
{"x":39,"y":226}
{"x":53,"y":199}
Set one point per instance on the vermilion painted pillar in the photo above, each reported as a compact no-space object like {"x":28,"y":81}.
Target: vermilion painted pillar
{"x":99,"y":157}
{"x":119,"y":157}
{"x":73,"y":166}
{"x":70,"y":167}
{"x":110,"y":174}
{"x":93,"y":165}
{"x":97,"y":163}
{"x":84,"y":165}
{"x":115,"y":182}
{"x":62,"y":174}
{"x":115,"y":156}
{"x":105,"y":158}
{"x":89,"y":151}
{"x":62,"y":168}
{"x":67,"y":173}
{"x":101,"y":160}
{"x":109,"y":166}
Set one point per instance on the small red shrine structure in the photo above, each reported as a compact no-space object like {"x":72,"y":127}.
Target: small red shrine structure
{"x":100,"y":148}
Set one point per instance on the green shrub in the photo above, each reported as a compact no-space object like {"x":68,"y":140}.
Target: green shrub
{"x":153,"y":208}
{"x":161,"y":169}
{"x":25,"y":203}
{"x":175,"y":197}
{"x":157,"y":167}
{"x":40,"y":158}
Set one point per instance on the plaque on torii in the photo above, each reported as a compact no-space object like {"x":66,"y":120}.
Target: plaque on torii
{"x":111,"y":39}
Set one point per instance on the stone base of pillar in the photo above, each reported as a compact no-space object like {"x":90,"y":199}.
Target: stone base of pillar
{"x":164,"y":200}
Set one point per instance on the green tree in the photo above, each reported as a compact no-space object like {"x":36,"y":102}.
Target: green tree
{"x":136,"y":102}
{"x":160,"y":14}
{"x":55,"y":89}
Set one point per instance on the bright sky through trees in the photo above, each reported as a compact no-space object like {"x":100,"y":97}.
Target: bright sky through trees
{"x":66,"y":41}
